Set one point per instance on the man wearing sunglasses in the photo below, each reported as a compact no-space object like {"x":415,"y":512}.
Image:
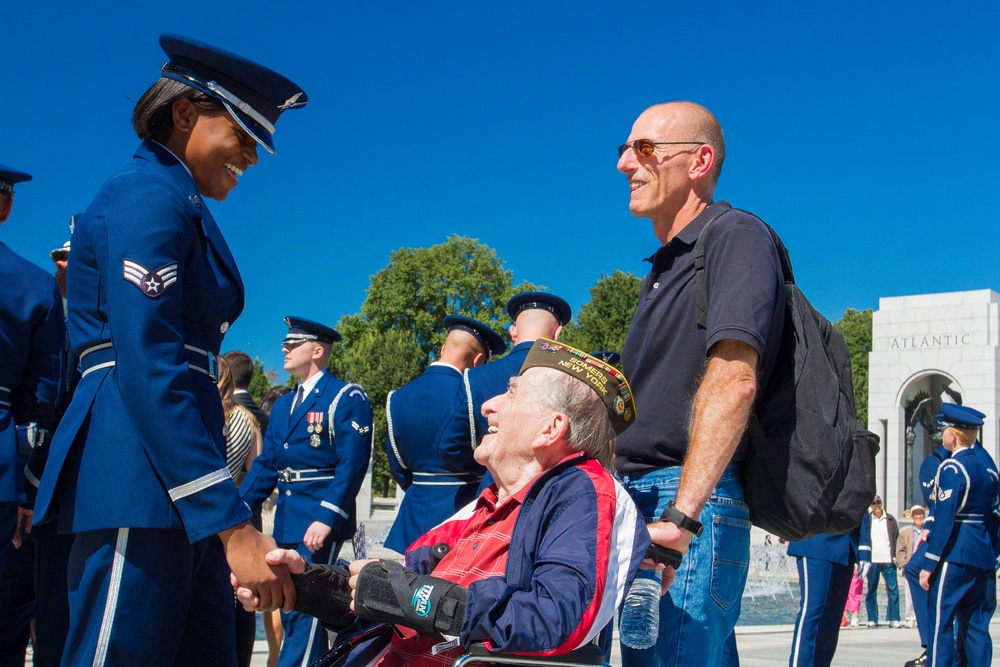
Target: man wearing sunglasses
{"x":694,"y":387}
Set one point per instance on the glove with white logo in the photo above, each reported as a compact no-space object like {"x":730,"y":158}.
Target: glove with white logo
{"x":389,"y":592}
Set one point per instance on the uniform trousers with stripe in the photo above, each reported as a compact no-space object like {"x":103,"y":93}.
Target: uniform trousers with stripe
{"x":968,"y":595}
{"x":146,"y":596}
{"x":305,"y":637}
{"x":823,"y":588}
{"x":920,"y":597}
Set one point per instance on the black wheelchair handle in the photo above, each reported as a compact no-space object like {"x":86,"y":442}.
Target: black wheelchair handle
{"x":664,"y":556}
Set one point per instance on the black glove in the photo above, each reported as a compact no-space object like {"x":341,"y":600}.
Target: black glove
{"x":389,"y":592}
{"x":323,"y":592}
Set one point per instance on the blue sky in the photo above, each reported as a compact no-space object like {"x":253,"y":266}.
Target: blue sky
{"x":865,"y":133}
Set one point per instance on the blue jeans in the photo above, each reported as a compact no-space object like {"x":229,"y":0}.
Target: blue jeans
{"x":887,"y":570}
{"x":699,"y":612}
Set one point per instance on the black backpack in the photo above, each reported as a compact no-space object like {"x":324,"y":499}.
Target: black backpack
{"x":810,"y":467}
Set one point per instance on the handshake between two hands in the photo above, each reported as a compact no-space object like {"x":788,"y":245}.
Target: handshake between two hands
{"x":287,"y":562}
{"x":260,"y":571}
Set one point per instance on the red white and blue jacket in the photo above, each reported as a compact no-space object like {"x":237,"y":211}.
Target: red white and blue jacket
{"x":576,"y":545}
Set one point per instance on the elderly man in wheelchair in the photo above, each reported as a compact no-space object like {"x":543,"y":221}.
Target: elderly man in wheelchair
{"x":535,"y":567}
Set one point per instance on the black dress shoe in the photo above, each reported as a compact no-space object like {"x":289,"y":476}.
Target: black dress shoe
{"x":922,"y":660}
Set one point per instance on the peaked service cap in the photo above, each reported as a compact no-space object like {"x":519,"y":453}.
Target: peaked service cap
{"x":253,"y":94}
{"x":542,"y":301}
{"x":300,"y":330}
{"x":489,"y":339}
{"x":10,"y":176}
{"x":960,"y":416}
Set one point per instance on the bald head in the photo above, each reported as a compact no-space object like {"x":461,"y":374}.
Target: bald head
{"x":687,"y":121}
{"x":533,"y":324}
{"x":462,"y":350}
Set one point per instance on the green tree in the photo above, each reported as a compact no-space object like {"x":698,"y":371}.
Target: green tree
{"x":398,"y":331}
{"x":419,"y":287}
{"x":261,"y":381}
{"x":856,"y":329}
{"x":604,"y":321}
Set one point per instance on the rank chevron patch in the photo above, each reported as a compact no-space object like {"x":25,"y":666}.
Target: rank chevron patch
{"x":152,"y":283}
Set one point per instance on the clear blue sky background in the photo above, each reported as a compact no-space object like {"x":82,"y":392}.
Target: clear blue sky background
{"x":865,"y":133}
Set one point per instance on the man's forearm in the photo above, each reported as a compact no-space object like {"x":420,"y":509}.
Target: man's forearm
{"x":721,"y":410}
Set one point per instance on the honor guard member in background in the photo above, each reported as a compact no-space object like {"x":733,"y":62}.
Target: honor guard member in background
{"x":533,"y":315}
{"x":241,"y":366}
{"x":34,"y":584}
{"x":32,"y":337}
{"x":316,"y":452}
{"x":137,"y":468}
{"x":959,"y":567}
{"x":911,"y":571}
{"x":437,"y":482}
{"x":826,"y":564}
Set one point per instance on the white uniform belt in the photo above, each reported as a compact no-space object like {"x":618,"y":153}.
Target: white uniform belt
{"x":5,"y":397}
{"x":102,"y":355}
{"x":290,"y":476}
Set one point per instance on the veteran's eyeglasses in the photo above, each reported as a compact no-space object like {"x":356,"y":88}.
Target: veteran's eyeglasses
{"x":645,"y":147}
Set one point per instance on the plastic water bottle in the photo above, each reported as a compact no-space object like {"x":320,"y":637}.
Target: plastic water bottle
{"x":640,"y":623}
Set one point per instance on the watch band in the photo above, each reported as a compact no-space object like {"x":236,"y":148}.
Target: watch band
{"x":679,"y":518}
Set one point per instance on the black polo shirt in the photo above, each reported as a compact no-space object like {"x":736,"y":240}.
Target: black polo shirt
{"x":665,"y":352}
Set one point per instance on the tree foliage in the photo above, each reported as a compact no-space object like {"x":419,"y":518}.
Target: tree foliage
{"x":856,"y":329}
{"x":604,"y":321}
{"x":261,"y":381}
{"x":399,"y":329}
{"x":419,"y":287}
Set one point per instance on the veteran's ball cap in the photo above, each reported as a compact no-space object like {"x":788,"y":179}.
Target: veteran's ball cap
{"x":541,"y":300}
{"x":609,"y":382}
{"x":960,"y":416}
{"x":9,"y":177}
{"x":489,"y":339}
{"x":608,"y":356}
{"x":300,"y":330}
{"x":254,"y":94}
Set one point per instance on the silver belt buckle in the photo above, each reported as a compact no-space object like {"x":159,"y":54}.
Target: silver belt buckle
{"x":285,"y":475}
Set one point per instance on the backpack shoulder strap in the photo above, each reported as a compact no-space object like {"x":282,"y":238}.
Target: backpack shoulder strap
{"x":701,"y":292}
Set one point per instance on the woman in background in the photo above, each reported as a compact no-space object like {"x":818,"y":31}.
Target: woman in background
{"x":243,"y":439}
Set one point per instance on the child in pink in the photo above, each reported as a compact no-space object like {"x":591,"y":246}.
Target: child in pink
{"x":853,"y":600}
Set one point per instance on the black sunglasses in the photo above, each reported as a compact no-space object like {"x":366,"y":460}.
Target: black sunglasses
{"x":645,"y":147}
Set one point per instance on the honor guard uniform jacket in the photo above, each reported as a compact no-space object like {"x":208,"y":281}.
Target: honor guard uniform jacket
{"x":967,"y":491}
{"x":141,"y":443}
{"x":483,"y":383}
{"x":32,"y":337}
{"x":437,"y":482}
{"x":317,"y":457}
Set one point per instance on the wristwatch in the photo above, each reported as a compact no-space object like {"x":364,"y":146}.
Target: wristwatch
{"x":679,"y":518}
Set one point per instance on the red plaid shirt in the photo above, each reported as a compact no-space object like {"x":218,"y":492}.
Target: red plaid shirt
{"x":480,"y":552}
